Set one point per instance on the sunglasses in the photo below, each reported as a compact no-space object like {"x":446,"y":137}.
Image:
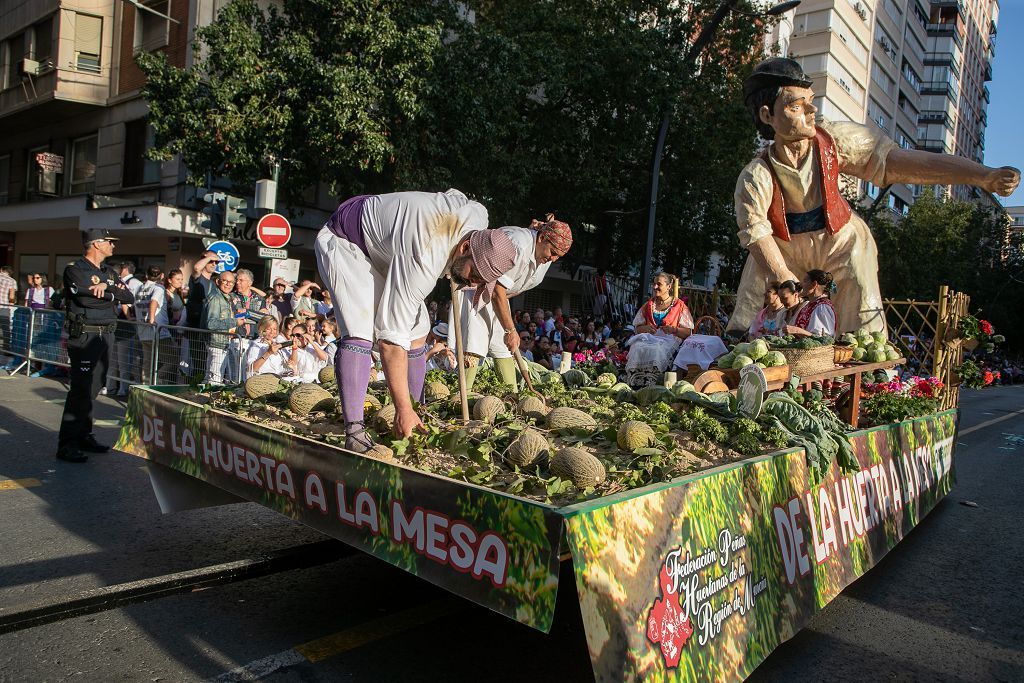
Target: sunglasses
{"x":299,"y":334}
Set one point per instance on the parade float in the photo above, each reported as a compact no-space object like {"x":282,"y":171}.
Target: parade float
{"x":704,"y":529}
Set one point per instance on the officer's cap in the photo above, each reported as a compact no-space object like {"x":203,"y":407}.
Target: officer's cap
{"x":96,"y":234}
{"x":776,"y":72}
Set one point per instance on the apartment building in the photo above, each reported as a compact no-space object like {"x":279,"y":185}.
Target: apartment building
{"x":916,"y":69}
{"x":74,"y":135}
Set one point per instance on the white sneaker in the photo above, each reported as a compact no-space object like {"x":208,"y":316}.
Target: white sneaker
{"x":103,"y":391}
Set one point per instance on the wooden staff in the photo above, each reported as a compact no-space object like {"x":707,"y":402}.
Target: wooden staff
{"x":525,"y":371}
{"x":460,"y":351}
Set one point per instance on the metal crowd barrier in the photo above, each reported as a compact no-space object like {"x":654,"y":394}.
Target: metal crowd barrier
{"x":141,"y":353}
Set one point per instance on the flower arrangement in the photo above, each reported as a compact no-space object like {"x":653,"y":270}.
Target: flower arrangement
{"x":979,"y":333}
{"x":895,"y":401}
{"x":974,"y":377}
{"x":595,"y":362}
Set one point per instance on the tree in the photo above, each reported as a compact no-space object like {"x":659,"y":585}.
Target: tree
{"x":964,"y":245}
{"x":530,"y":107}
{"x":322,"y":83}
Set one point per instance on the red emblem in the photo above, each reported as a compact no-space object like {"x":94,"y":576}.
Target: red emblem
{"x":665,"y":623}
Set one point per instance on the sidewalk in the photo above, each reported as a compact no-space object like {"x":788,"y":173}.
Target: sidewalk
{"x":71,"y":527}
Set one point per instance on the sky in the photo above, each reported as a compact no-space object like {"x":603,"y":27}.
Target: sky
{"x":1004,"y":139}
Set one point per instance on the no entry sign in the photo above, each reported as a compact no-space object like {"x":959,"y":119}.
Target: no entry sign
{"x":273,"y":231}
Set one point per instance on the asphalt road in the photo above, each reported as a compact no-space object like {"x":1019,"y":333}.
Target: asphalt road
{"x":943,"y":605}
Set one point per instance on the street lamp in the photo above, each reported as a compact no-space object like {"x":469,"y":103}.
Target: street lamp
{"x":702,"y":41}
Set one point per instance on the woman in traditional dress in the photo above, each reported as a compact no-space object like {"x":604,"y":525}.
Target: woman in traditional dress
{"x":818,"y":315}
{"x":660,"y":325}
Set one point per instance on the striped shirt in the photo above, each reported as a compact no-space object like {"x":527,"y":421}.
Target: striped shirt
{"x":8,"y":285}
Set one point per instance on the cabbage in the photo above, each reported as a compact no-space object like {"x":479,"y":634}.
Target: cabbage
{"x":849,"y":338}
{"x":877,"y":355}
{"x":878,"y":337}
{"x":758,"y":349}
{"x":859,"y":353}
{"x":725,"y":361}
{"x":741,"y":349}
{"x":774,"y":359}
{"x":742,"y":361}
{"x":891,"y":354}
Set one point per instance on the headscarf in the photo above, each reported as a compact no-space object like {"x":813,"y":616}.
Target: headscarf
{"x":493,"y":255}
{"x":554,"y":232}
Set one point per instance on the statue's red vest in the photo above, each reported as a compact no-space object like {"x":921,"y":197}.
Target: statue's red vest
{"x":836,"y":209}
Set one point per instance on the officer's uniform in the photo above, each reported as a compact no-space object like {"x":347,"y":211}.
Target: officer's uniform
{"x":90,"y":321}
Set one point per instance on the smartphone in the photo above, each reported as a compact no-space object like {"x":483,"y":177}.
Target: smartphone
{"x":286,"y":344}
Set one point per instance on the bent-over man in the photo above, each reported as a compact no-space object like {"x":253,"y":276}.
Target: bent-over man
{"x":381,"y":256}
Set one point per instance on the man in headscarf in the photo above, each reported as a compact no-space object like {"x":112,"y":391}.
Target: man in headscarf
{"x":381,"y":256}
{"x":492,"y":331}
{"x":792,"y":217}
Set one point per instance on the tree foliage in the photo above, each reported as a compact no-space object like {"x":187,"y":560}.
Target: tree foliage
{"x":964,"y":245}
{"x":530,"y":106}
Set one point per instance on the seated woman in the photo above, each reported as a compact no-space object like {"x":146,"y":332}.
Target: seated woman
{"x":262,"y":357}
{"x":660,"y":325}
{"x":792,"y":304}
{"x":818,"y":316}
{"x":664,"y":312}
{"x":767,"y":321}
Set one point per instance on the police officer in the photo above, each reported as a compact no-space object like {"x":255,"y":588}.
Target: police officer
{"x":93,"y":292}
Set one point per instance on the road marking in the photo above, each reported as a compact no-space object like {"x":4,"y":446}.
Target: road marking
{"x":342,"y":641}
{"x":12,"y":484}
{"x":107,"y":423}
{"x":991,"y":422}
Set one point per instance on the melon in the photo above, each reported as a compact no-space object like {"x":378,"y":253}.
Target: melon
{"x":528,"y":448}
{"x":634,"y":434}
{"x":371,"y":402}
{"x":308,"y":398}
{"x":379,"y":452}
{"x":259,"y":386}
{"x":384,"y":420}
{"x":578,"y":466}
{"x":436,"y":391}
{"x":326,"y":375}
{"x":531,"y":406}
{"x":486,"y":408}
{"x":570,"y":418}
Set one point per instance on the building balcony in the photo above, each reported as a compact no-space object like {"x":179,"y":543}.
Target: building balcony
{"x":940,"y":88}
{"x":945,"y":5}
{"x":952,"y":30}
{"x":987,"y":70}
{"x":943,"y":59}
{"x":986,"y":95}
{"x":65,"y":72}
{"x":936,"y":146}
{"x":935,"y":117}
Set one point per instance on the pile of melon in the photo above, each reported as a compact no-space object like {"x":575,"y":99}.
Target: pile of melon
{"x":584,"y":435}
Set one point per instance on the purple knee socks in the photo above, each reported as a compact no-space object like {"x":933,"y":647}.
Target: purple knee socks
{"x":417,"y":371}
{"x":352,"y":365}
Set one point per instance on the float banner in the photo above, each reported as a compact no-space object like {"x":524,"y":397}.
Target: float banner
{"x":702,"y":579}
{"x":496,"y":550}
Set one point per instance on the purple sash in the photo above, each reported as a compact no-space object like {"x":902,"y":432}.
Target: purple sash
{"x":345,"y":222}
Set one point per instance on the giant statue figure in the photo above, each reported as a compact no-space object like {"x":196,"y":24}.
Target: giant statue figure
{"x":791,"y":216}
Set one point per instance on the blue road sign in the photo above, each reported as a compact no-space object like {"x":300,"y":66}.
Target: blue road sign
{"x":227,"y":253}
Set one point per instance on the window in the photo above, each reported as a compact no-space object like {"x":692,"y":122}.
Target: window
{"x":15,"y":53}
{"x":881,"y":78}
{"x":151,"y":30}
{"x":42,"y":41}
{"x":812,"y":21}
{"x":138,"y":170}
{"x":40,"y":180}
{"x":5,"y":178}
{"x":83,"y":165}
{"x":903,"y":140}
{"x":870,"y":189}
{"x":88,"y":37}
{"x":877,"y":114}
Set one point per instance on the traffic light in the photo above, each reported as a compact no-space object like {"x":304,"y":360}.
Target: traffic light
{"x":234,"y":214}
{"x":214,"y":212}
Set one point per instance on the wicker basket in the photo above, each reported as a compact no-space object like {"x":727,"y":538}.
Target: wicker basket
{"x":805,"y":362}
{"x":844,"y":354}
